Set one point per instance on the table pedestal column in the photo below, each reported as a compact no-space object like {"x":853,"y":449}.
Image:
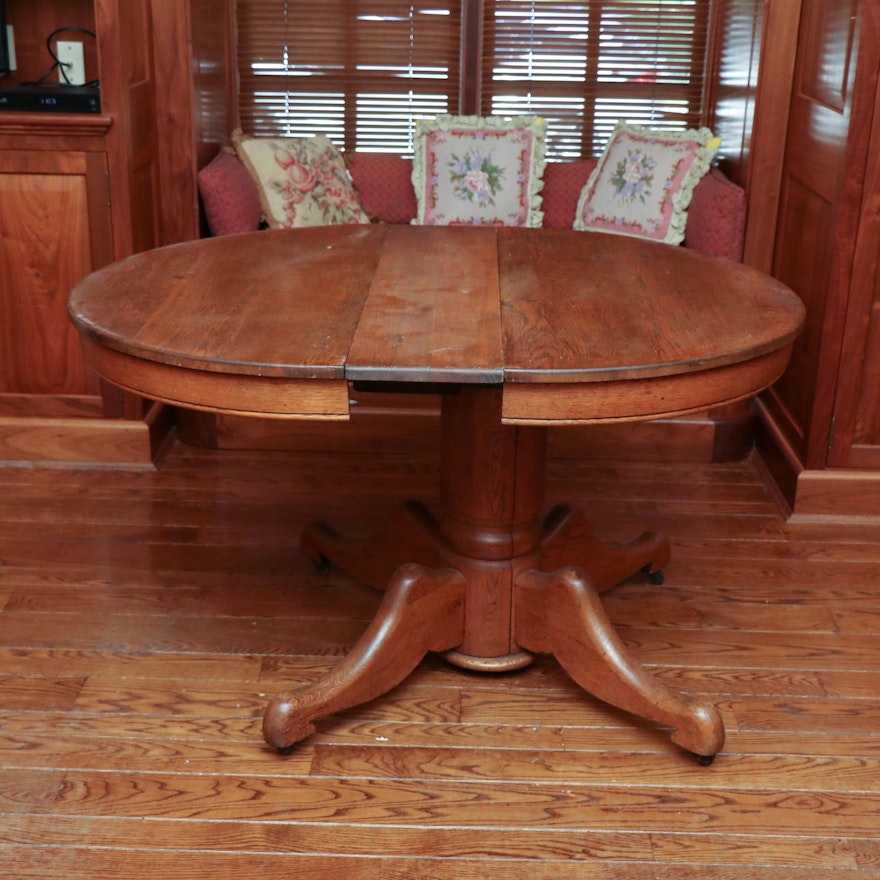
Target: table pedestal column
{"x":490,"y":582}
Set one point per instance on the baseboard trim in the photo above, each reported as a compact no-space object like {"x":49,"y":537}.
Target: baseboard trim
{"x":87,"y":440}
{"x":837,"y":494}
{"x":840,"y":495}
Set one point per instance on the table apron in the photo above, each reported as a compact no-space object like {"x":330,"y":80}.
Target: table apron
{"x":208,"y":391}
{"x":636,"y":399}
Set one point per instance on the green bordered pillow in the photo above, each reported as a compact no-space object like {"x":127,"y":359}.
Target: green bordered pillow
{"x":472,"y":171}
{"x":644,"y":181}
{"x":301,"y":181}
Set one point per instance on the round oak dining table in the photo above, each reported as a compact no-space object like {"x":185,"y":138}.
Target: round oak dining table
{"x":519,"y":329}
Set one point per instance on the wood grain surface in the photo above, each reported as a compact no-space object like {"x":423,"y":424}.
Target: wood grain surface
{"x":147,"y":615}
{"x":601,"y":327}
{"x":260,"y":305}
{"x":432,"y":314}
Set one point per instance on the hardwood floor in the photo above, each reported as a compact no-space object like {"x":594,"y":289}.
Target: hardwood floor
{"x":148,"y":616}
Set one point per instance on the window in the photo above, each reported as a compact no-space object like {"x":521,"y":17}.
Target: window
{"x":362,"y":71}
{"x":585,"y":65}
{"x":359,"y":71}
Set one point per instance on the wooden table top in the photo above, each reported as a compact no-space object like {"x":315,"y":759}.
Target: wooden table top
{"x":577,"y":327}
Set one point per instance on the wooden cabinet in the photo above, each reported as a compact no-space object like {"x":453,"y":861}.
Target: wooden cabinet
{"x":855,"y":417}
{"x":77,"y":191}
{"x":855,"y":435}
{"x":821,"y":423}
{"x":821,"y":176}
{"x":55,"y":227}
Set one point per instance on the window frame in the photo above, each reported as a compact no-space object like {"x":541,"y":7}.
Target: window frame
{"x":470,"y":87}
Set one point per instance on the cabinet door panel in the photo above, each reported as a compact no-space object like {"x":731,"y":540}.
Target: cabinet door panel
{"x":45,"y":248}
{"x":856,"y":434}
{"x":812,"y":250}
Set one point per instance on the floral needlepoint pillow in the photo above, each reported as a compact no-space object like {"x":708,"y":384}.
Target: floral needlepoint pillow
{"x":644,"y":181}
{"x":302,"y":181}
{"x":470,"y":171}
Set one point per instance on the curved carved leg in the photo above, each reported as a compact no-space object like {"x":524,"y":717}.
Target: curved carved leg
{"x":560,"y":613}
{"x":567,"y":539}
{"x":422,"y":611}
{"x":409,"y":533}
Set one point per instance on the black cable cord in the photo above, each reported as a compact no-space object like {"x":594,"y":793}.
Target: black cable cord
{"x":57,"y":65}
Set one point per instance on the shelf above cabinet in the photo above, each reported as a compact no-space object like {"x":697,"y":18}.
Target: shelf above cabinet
{"x":40,"y":125}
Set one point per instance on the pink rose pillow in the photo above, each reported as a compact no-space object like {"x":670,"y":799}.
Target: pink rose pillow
{"x":301,"y":181}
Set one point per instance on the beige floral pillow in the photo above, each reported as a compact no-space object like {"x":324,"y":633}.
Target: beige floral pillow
{"x":302,"y":181}
{"x":644,"y":181}
{"x":469,"y":170}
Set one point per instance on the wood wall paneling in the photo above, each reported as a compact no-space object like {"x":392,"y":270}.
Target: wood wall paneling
{"x":820,"y":430}
{"x":214,"y":76}
{"x":803,"y":262}
{"x":76,"y":192}
{"x":811,"y":253}
{"x":33,"y":22}
{"x":779,"y":22}
{"x":128,"y":93}
{"x":196,"y":100}
{"x":856,"y":421}
{"x":856,"y":436}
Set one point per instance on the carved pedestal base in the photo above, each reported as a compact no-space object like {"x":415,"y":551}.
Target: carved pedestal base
{"x":490,"y":583}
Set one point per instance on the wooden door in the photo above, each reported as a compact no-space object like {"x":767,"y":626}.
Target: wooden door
{"x":823,"y":171}
{"x":54,"y":229}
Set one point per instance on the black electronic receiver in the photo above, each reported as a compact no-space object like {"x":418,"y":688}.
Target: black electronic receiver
{"x":51,"y":99}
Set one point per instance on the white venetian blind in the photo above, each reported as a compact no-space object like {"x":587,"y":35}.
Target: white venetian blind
{"x":359,"y":71}
{"x":585,"y":65}
{"x":362,"y":71}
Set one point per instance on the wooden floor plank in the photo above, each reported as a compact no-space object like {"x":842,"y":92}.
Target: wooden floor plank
{"x":740,"y":771}
{"x":308,"y":594}
{"x":560,"y":805}
{"x":90,"y":863}
{"x":147,"y":615}
{"x":506,"y":848}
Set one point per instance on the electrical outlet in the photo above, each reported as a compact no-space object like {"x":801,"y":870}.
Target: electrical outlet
{"x":71,"y":60}
{"x":10,"y":41}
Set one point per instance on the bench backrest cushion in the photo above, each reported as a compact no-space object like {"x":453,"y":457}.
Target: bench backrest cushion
{"x":384,"y":184}
{"x":715,"y":224}
{"x":716,"y":219}
{"x":230,"y":197}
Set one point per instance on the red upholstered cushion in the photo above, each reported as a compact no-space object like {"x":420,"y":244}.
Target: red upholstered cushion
{"x":715,"y":224}
{"x":563,"y":182}
{"x":384,"y":185}
{"x":716,"y":217}
{"x":229,"y":195}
